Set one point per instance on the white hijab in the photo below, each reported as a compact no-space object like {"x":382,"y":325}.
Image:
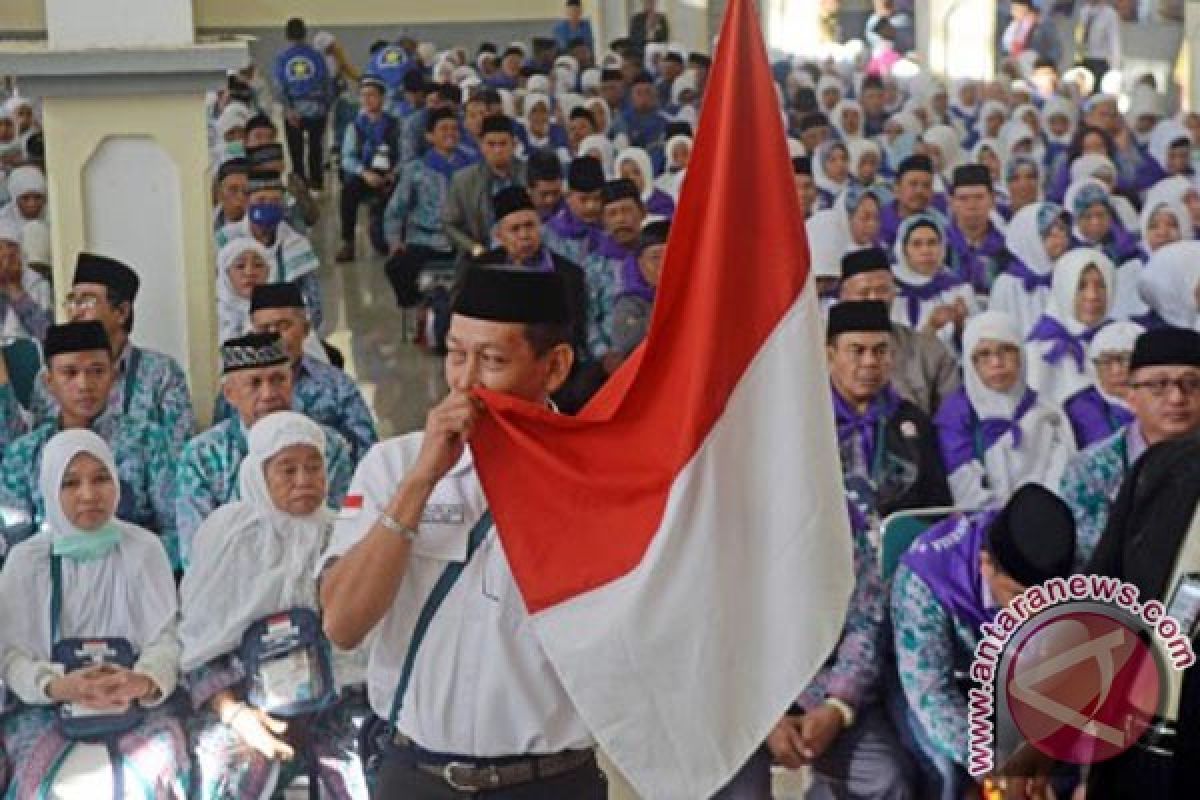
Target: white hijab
{"x":989,"y":403}
{"x":233,"y":310}
{"x":1024,"y":238}
{"x":601,"y":144}
{"x":1116,"y":337}
{"x":1055,"y":106}
{"x":945,"y":139}
{"x":128,"y":593}
{"x":1068,"y":272}
{"x":820,"y":177}
{"x":641,"y":159}
{"x":1168,"y":283}
{"x":828,"y":241}
{"x":1165,"y":134}
{"x":836,"y":119}
{"x":251,"y":559}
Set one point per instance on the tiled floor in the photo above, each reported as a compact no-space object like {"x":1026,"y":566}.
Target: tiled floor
{"x":398,"y":379}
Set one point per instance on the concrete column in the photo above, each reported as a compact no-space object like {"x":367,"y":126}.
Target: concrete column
{"x":793,"y":26}
{"x":957,"y":38}
{"x":1190,"y":54}
{"x":123,"y":84}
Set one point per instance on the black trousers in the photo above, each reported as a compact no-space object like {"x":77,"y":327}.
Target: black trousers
{"x":1098,"y":67}
{"x":399,"y":779}
{"x":355,"y":192}
{"x":312,"y":168}
{"x":403,"y":269}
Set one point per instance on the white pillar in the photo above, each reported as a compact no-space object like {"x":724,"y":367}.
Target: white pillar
{"x":123,"y":84}
{"x":792,"y":26}
{"x":957,"y":38}
{"x":1191,"y":52}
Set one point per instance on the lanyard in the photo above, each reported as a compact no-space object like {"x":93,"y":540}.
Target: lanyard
{"x":135,"y":358}
{"x":877,"y":456}
{"x":281,"y":277}
{"x":55,"y":597}
{"x":445,"y":583}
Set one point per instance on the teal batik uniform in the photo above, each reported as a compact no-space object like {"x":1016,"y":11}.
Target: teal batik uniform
{"x":326,"y":394}
{"x":208,"y":469}
{"x":149,"y":387}
{"x":145,"y":469}
{"x":1090,"y":484}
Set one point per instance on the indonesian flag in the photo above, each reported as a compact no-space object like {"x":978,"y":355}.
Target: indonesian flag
{"x":682,"y":544}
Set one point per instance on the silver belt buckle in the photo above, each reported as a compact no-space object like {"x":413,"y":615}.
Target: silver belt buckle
{"x":448,"y":772}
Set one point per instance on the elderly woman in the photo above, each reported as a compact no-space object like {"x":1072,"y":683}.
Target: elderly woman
{"x":633,"y":163}
{"x":1080,"y":299}
{"x":26,"y":300}
{"x":263,"y":713}
{"x":242,"y":264}
{"x":1096,"y":223}
{"x":1100,"y":410}
{"x":88,"y":618}
{"x":1037,"y":237}
{"x":995,"y":434}
{"x":929,"y":297}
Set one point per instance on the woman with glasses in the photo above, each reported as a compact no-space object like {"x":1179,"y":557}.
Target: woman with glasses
{"x":995,"y":433}
{"x":1101,"y":410}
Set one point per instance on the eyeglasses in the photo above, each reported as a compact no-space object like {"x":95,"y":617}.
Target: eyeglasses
{"x":1187,"y":386}
{"x":1005,"y":352}
{"x":82,"y":302}
{"x":1111,"y":361}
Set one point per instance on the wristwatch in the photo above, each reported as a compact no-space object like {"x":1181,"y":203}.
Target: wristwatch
{"x":395,"y":526}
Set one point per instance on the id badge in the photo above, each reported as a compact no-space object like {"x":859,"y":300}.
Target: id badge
{"x":288,"y":679}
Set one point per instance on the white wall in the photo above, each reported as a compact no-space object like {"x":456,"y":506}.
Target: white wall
{"x":131,"y":199}
{"x":77,"y":24}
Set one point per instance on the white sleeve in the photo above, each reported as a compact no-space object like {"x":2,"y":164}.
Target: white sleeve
{"x":160,"y":662}
{"x":966,"y":486}
{"x":27,"y":678}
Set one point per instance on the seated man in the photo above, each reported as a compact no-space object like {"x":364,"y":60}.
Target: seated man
{"x":956,"y":577}
{"x":231,"y":192}
{"x":319,"y":391}
{"x":890,"y":460}
{"x":256,"y":381}
{"x":1164,"y":393}
{"x":975,"y":249}
{"x":147,"y":385}
{"x":925,"y":372}
{"x":623,"y":218}
{"x":412,"y":221}
{"x":370,"y":159}
{"x":838,"y":724}
{"x":806,"y":188}
{"x":914,"y":195}
{"x":79,"y":374}
{"x":576,"y":231}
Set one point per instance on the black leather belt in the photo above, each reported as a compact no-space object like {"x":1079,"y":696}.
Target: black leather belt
{"x":464,"y":774}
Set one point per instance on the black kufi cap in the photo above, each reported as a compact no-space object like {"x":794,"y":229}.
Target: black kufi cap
{"x":858,"y":317}
{"x":513,"y":295}
{"x":232,"y":166}
{"x":586,"y":174}
{"x":497,"y":123}
{"x":610,"y":74}
{"x":510,"y":200}
{"x":118,"y":276}
{"x":374,"y":81}
{"x":259,"y":159}
{"x":813,"y":119}
{"x":1166,"y":347}
{"x":259,"y":120}
{"x":802,"y":165}
{"x":915,"y":163}
{"x":276,"y":295}
{"x":870,"y":259}
{"x":971,"y":175}
{"x":75,"y":337}
{"x":435,"y":115}
{"x":252,"y":351}
{"x":1033,"y":538}
{"x":621,"y":189}
{"x":543,"y":165}
{"x":654,"y":232}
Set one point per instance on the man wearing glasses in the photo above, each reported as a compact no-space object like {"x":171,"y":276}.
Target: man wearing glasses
{"x":148,"y":386}
{"x":1164,"y":393}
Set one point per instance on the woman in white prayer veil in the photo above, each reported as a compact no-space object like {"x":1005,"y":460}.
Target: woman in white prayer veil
{"x":995,"y":433}
{"x":253,"y":559}
{"x":115,"y":624}
{"x":1170,"y":286}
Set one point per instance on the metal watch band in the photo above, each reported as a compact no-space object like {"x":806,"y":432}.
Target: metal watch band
{"x":395,"y":526}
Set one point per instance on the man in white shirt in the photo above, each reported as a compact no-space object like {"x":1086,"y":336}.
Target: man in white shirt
{"x":416,"y":564}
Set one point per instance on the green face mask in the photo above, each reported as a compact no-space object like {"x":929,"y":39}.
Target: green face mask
{"x":88,"y":546}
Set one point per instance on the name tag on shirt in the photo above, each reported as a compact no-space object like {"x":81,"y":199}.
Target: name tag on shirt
{"x":443,"y":514}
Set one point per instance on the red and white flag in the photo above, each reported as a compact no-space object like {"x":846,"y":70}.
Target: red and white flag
{"x":682,"y":544}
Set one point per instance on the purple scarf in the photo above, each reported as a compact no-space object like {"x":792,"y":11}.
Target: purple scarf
{"x":941,"y":281}
{"x":661,"y":204}
{"x":569,"y":226}
{"x":1049,"y":329}
{"x":1093,"y":418}
{"x":963,"y":437}
{"x":946,"y":558}
{"x":633,"y":282}
{"x":541,"y":262}
{"x":1030,"y":281}
{"x":850,"y":422}
{"x":446,"y":167}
